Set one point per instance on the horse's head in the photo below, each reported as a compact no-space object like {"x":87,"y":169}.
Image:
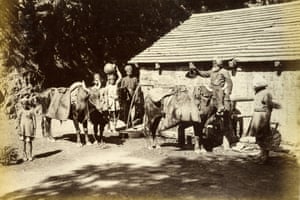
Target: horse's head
{"x":203,"y":97}
{"x":97,"y":99}
{"x":202,"y":93}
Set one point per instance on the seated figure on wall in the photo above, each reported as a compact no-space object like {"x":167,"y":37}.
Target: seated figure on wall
{"x":220,"y":83}
{"x":221,"y":88}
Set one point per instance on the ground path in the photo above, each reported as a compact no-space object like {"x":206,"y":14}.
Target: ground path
{"x":61,"y":170}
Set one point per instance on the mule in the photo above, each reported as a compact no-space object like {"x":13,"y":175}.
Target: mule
{"x":181,"y":108}
{"x":78,"y":111}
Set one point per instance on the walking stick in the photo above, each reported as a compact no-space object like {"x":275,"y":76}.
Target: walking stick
{"x":131,"y":105}
{"x":114,"y":115}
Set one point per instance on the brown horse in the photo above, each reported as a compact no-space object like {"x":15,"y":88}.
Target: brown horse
{"x":78,"y":111}
{"x":179,"y":107}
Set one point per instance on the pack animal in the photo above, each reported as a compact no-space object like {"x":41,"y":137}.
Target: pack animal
{"x":178,"y":107}
{"x":77,"y":111}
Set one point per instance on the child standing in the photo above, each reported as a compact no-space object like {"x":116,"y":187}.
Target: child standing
{"x":112,"y":96}
{"x":27,"y":127}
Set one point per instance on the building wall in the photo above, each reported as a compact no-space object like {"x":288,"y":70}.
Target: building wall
{"x":284,"y":87}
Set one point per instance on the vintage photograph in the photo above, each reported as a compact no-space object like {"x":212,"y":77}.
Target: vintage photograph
{"x":150,"y":99}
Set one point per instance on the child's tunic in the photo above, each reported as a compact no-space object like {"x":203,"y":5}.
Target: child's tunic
{"x":27,"y":123}
{"x":112,"y":97}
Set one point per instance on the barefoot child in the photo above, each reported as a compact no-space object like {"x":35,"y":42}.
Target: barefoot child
{"x":112,"y":96}
{"x":27,"y":126}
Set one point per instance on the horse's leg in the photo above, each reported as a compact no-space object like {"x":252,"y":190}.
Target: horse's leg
{"x":155,"y":129}
{"x":101,"y":130}
{"x":147,"y":136}
{"x":147,"y":128}
{"x":43,"y":126}
{"x":76,"y":125}
{"x":181,"y":136}
{"x":95,"y":133}
{"x":198,"y":139}
{"x":47,"y":126}
{"x":85,"y":130}
{"x":228,"y":130}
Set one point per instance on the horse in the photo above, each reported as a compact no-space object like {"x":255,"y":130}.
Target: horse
{"x":183,"y":108}
{"x":78,"y":110}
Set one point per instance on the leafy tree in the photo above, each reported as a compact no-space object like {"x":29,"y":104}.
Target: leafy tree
{"x":68,"y":40}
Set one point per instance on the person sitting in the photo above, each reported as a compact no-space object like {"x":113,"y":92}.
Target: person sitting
{"x":220,"y":83}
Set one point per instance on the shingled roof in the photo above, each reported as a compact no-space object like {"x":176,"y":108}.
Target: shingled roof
{"x":265,"y":33}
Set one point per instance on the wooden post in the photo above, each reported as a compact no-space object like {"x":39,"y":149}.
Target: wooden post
{"x":278,"y":66}
{"x":157,"y":67}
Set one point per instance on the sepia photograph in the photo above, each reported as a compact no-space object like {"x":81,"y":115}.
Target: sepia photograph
{"x":150,"y":99}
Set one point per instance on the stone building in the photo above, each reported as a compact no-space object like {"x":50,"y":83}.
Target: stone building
{"x":264,"y":40}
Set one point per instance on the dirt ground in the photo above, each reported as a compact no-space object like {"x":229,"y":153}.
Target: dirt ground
{"x":127,"y":170}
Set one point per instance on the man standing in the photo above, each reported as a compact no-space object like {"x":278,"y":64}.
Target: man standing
{"x":220,"y":83}
{"x":130,"y":83}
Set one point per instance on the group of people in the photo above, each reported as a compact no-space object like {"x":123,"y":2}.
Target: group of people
{"x":26,"y":116}
{"x":114,"y":83}
{"x":220,"y":85}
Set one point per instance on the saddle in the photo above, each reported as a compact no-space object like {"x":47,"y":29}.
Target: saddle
{"x":157,"y":94}
{"x":60,"y":104}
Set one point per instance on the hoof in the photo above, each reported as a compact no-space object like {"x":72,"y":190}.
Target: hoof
{"x":79,"y":145}
{"x":150,"y":147}
{"x":157,"y":147}
{"x":88,"y":143}
{"x":51,"y":139}
{"x":200,"y":151}
{"x":226,"y":148}
{"x":197,"y":151}
{"x":95,"y":142}
{"x":261,"y":160}
{"x":203,"y":151}
{"x":102,"y":145}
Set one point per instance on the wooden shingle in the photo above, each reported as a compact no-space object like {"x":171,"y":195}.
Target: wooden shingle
{"x":264,"y":33}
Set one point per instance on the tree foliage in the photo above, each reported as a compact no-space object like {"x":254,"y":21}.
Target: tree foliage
{"x":67,"y":40}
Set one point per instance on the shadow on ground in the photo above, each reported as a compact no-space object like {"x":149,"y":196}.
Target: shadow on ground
{"x":47,"y":154}
{"x":71,"y":137}
{"x":204,"y":177}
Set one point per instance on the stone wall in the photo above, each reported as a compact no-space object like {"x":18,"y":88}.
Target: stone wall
{"x":285,"y":88}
